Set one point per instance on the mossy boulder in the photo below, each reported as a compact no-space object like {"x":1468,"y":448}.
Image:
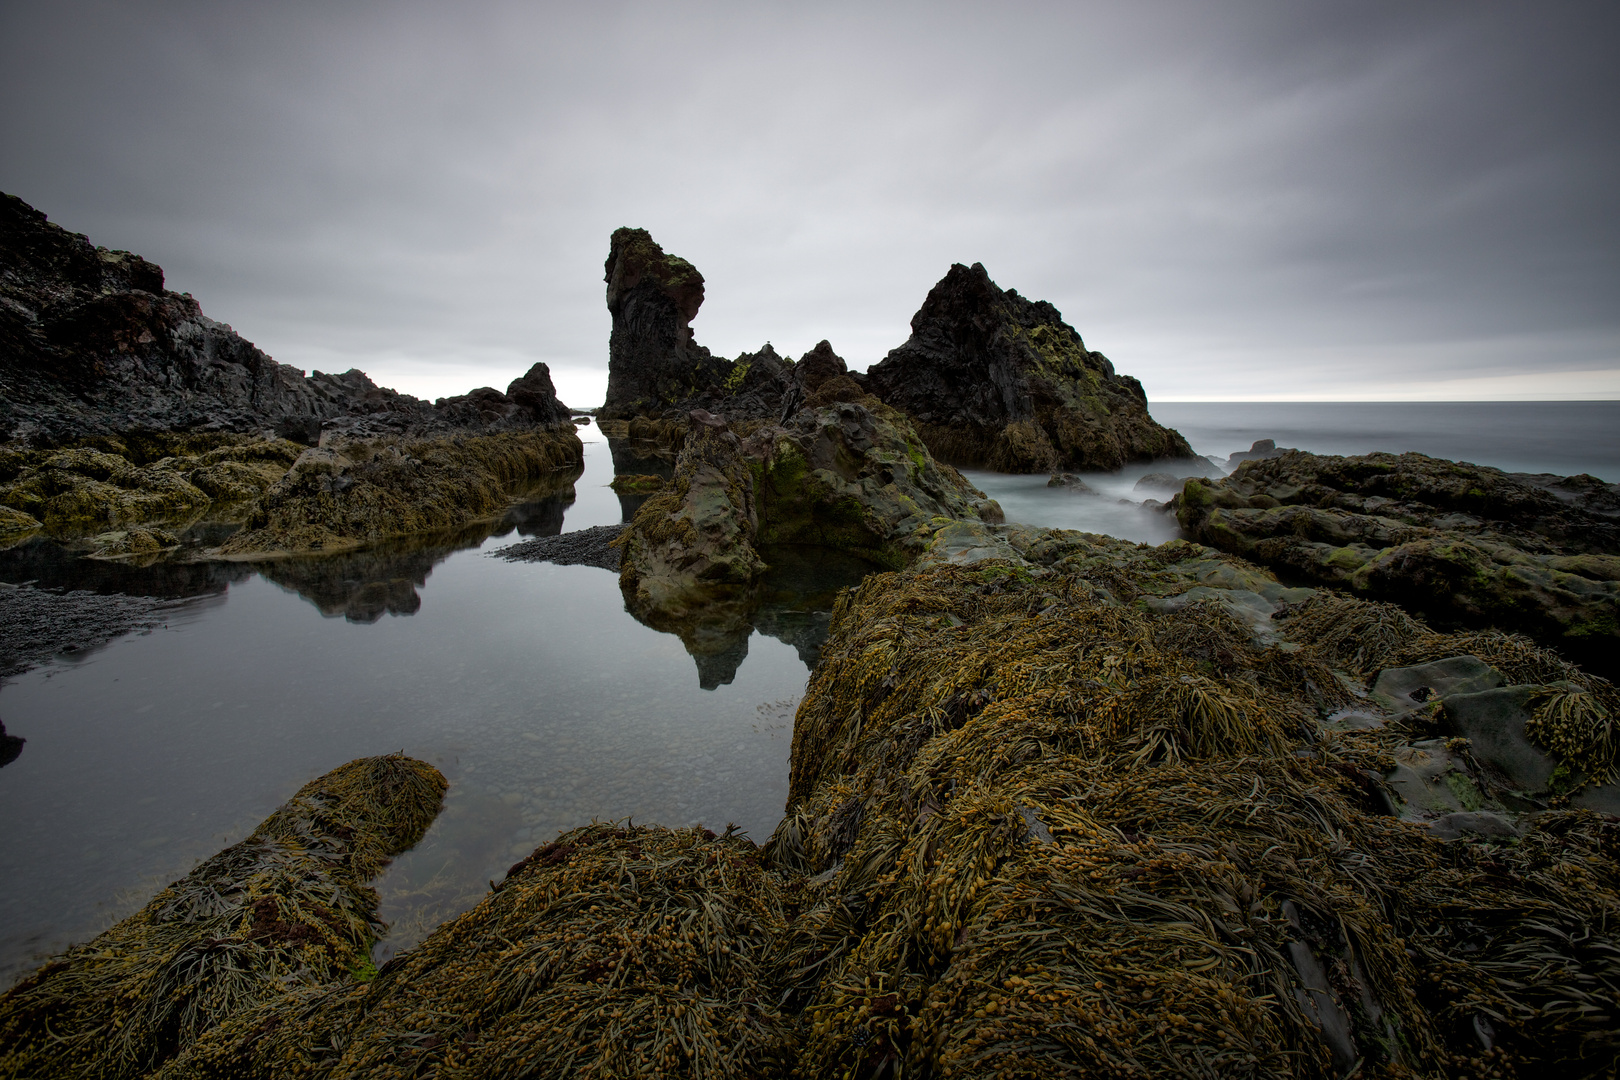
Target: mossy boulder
{"x":842,"y":476}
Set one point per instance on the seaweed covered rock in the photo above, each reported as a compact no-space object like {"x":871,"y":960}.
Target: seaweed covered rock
{"x":611,"y":952}
{"x":842,"y":476}
{"x":993,"y":380}
{"x":95,"y":346}
{"x":149,"y":478}
{"x":286,"y":909}
{"x":1461,"y":542}
{"x":1062,"y":808}
{"x":346,"y":494}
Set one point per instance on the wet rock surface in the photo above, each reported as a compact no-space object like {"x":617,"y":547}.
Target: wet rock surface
{"x":37,"y":624}
{"x":583,"y":547}
{"x":844,"y":476}
{"x":994,"y":380}
{"x":1455,"y":541}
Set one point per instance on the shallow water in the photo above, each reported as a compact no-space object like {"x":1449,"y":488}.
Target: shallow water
{"x":544,"y":702}
{"x":541,"y":699}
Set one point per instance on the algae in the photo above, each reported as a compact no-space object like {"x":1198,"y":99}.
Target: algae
{"x":286,"y":909}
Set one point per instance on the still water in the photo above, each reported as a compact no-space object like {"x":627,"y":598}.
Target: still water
{"x":527,"y":684}
{"x":542,"y":700}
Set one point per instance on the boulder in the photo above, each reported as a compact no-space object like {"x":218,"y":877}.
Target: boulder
{"x":993,"y":380}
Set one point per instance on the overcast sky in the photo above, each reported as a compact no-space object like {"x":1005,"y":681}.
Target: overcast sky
{"x":1323,"y":200}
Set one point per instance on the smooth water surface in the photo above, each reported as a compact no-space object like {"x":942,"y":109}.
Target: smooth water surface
{"x":1563,"y":437}
{"x":544,"y":703}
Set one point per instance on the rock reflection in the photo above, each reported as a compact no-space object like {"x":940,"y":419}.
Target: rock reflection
{"x":793,"y":603}
{"x":637,"y":457}
{"x":363,"y":586}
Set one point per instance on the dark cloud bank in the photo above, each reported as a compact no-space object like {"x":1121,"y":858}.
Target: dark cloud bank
{"x":1353,"y":200}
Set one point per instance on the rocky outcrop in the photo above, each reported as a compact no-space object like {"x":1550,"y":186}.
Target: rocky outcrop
{"x":347,"y":494}
{"x":993,"y":380}
{"x":151,"y":479}
{"x":1459,"y":542}
{"x":653,"y":360}
{"x":843,"y":476}
{"x":94,"y":345}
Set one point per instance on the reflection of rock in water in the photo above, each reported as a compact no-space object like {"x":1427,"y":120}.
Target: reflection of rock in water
{"x":792,"y":603}
{"x":363,"y":586}
{"x":48,"y":564}
{"x":10,"y":746}
{"x":639,"y":457}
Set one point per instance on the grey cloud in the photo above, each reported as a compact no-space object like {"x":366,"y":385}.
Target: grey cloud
{"x":418,"y":188}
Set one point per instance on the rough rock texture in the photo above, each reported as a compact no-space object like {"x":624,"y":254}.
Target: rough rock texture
{"x":653,"y":361}
{"x":993,"y":380}
{"x":346,"y":494}
{"x":843,"y":476}
{"x":93,"y":344}
{"x":142,"y":478}
{"x":582,"y":547}
{"x":1460,"y":542}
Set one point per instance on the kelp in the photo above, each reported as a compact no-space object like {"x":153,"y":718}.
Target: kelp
{"x":1574,"y":712}
{"x":1033,"y":831}
{"x":1045,"y":834}
{"x":283,"y":910}
{"x":613,"y":951}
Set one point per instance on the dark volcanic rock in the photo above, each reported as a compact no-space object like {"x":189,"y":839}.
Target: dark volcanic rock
{"x":993,"y":380}
{"x":1459,"y":542}
{"x":93,"y":345}
{"x":584,"y":547}
{"x":653,"y":361}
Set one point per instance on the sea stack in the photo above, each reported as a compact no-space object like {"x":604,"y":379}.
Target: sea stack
{"x":993,"y":380}
{"x":653,"y":360}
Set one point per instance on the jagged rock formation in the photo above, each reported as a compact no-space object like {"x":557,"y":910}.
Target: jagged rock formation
{"x":993,"y":380}
{"x":653,"y":360}
{"x":93,"y":345}
{"x":1459,"y":542}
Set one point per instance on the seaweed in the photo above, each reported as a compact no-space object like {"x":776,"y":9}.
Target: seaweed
{"x":285,"y":909}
